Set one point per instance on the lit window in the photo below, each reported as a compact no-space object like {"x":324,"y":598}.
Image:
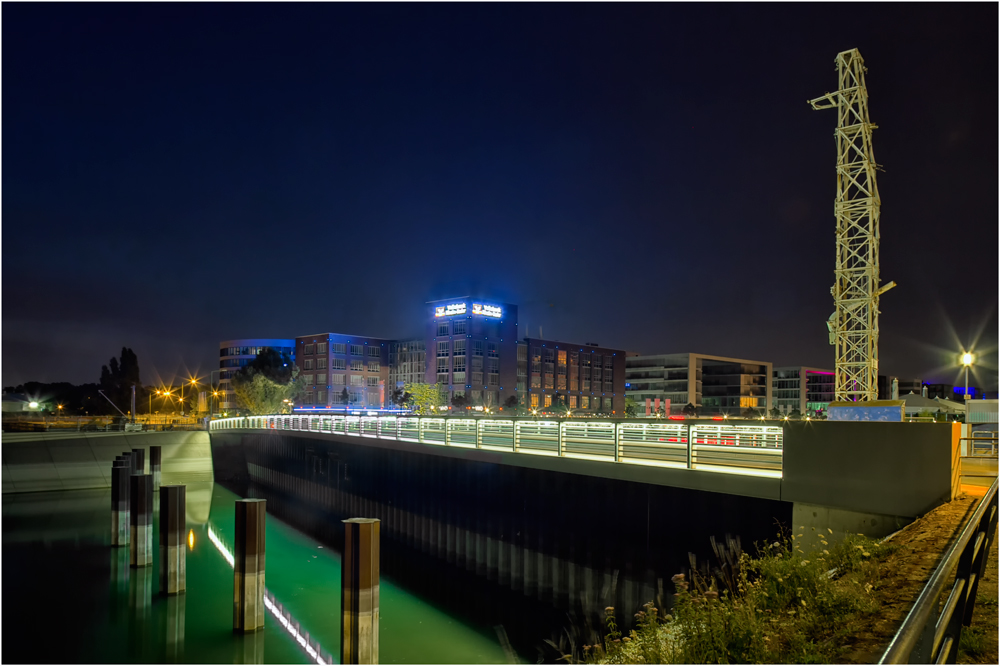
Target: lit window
{"x":459,"y":327}
{"x":357,"y":350}
{"x":443,"y":328}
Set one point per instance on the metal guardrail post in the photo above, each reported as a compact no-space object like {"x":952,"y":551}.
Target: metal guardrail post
{"x":926,"y":636}
{"x":690,"y":446}
{"x":559,"y":439}
{"x":618,"y":439}
{"x":479,"y":433}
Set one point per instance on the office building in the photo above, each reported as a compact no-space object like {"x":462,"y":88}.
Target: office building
{"x":234,"y":354}
{"x":407,"y":363}
{"x":471,"y":349}
{"x":716,"y":385}
{"x":810,"y":397}
{"x":340,"y":370}
{"x":586,"y":377}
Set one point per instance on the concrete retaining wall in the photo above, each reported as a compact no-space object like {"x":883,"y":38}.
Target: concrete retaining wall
{"x":35,"y":462}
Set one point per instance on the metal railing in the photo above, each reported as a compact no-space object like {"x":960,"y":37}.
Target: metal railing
{"x":929,"y":637}
{"x":742,"y":449}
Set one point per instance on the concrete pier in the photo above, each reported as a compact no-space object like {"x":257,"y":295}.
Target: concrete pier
{"x":173,"y":549}
{"x":155,"y":464}
{"x":139,"y":461}
{"x":359,"y":592}
{"x":248,"y":570}
{"x":141,"y":520}
{"x":120,"y":521}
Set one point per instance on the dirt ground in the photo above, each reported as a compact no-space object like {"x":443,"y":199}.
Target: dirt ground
{"x":922,"y":543}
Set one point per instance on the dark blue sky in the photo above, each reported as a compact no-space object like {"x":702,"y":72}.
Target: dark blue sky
{"x":648,"y":177}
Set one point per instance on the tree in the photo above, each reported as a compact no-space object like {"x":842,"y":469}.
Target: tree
{"x":775,"y":413}
{"x":630,"y":408}
{"x":424,"y":397}
{"x":750,"y":413}
{"x":459,"y":401}
{"x":795,"y":414}
{"x":345,"y":397}
{"x":690,"y":410}
{"x":263,"y":385}
{"x":117,"y":380}
{"x":511,"y":403}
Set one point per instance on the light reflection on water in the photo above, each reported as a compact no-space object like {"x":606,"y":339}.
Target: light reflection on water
{"x":58,"y":564}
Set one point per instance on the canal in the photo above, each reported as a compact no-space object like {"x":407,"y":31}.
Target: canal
{"x":69,"y":597}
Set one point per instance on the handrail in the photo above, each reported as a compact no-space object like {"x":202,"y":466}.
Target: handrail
{"x":735,"y":449}
{"x":927,"y":637}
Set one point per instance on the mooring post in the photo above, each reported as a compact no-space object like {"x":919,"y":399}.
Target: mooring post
{"x":359,"y":581}
{"x":141,"y":518}
{"x":139,"y":461}
{"x":173,"y":556}
{"x":120,"y":523}
{"x":155,"y":460}
{"x":248,"y":569}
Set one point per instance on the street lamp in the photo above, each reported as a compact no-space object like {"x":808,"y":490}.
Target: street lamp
{"x":967,"y":360}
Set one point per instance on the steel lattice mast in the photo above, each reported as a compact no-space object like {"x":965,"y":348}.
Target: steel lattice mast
{"x":854,"y":324}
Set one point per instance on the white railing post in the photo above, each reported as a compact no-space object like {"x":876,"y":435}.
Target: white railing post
{"x":618,"y":439}
{"x":479,"y":433}
{"x":559,"y":437}
{"x":690,"y":443}
{"x":517,"y":436}
{"x":447,"y":432}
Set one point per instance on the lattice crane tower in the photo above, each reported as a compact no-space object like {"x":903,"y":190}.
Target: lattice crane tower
{"x":854,"y":324}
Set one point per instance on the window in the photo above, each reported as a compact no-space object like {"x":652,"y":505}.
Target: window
{"x":574,"y":384}
{"x":357,"y":380}
{"x":459,"y":327}
{"x":307,"y":364}
{"x":338,"y":364}
{"x":310,"y":398}
{"x":320,"y":397}
{"x":522,"y":352}
{"x":357,"y":397}
{"x":597,"y":374}
{"x":337,"y":398}
{"x":586,"y":384}
{"x":477,"y":379}
{"x":374,"y":352}
{"x":357,"y":350}
{"x":494,"y":365}
{"x":585,"y":362}
{"x":458,"y":377}
{"x":308,"y":349}
{"x":374,"y":366}
{"x":477,"y":347}
{"x":561,"y":384}
{"x":357,"y":366}
{"x":337,"y":348}
{"x":534,"y":401}
{"x":443,"y":328}
{"x":459,"y":364}
{"x":442,"y":365}
{"x":561,"y":357}
{"x":608,"y":360}
{"x":491,"y":349}
{"x":572,"y":402}
{"x":337,"y":380}
{"x":373,"y":400}
{"x":321,"y":379}
{"x":548,"y":400}
{"x":459,"y":349}
{"x":443,"y":379}
{"x":307,"y":380}
{"x":550,"y":355}
{"x":536,"y":381}
{"x":321,"y":348}
{"x":548,"y":381}
{"x":443,"y":349}
{"x":584,"y":402}
{"x":373,"y":381}
{"x":321,"y":364}
{"x":494,"y":379}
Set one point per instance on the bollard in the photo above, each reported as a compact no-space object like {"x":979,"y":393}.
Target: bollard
{"x":173,"y":556}
{"x":359,"y":581}
{"x":248,"y":570}
{"x":120,"y":523}
{"x":155,"y":462}
{"x":138,"y":461}
{"x":141,"y":519}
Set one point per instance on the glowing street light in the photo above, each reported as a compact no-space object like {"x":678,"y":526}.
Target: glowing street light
{"x":967,"y":360}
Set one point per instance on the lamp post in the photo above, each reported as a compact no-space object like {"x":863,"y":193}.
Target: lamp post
{"x":967,"y":360}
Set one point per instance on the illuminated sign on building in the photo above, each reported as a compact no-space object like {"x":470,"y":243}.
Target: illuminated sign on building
{"x":451,"y":309}
{"x":487,"y":310}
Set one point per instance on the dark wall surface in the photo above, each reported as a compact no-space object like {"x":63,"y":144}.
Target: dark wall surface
{"x":898,"y":469}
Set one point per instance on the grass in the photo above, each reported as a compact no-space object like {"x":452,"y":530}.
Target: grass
{"x":796,"y":601}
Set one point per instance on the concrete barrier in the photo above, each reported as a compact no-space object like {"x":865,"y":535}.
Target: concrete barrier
{"x":34,"y":462}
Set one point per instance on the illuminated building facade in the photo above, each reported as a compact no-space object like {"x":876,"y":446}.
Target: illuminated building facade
{"x":811,"y":396}
{"x":341,"y":370}
{"x":407,"y":363}
{"x":716,"y":385}
{"x":471,"y":349}
{"x":234,"y":354}
{"x":587,"y":378}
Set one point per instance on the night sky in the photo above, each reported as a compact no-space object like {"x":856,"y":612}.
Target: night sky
{"x":646,"y":177}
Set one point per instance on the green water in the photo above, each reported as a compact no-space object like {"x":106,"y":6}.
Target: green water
{"x":66,"y":597}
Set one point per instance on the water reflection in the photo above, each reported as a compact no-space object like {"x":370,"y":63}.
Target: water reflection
{"x":250,"y":648}
{"x":175,"y":605}
{"x":119,"y":581}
